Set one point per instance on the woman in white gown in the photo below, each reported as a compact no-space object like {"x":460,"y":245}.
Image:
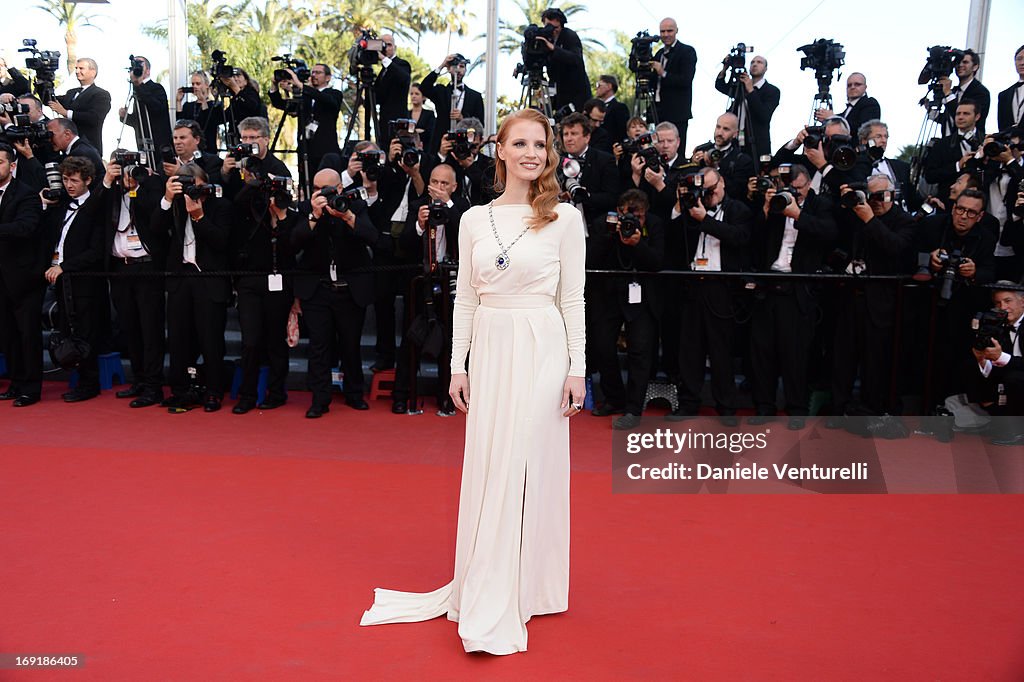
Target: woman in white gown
{"x":519,"y":316}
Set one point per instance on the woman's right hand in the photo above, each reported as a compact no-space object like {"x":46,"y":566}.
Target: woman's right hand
{"x":459,"y":391}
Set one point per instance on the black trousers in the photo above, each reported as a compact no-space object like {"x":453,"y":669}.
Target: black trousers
{"x":780,"y":338}
{"x":195,"y":325}
{"x":331,"y":313}
{"x":21,"y":336}
{"x":388,"y":286}
{"x":407,"y":365}
{"x":139,"y":302}
{"x":263,"y":316}
{"x":706,"y":333}
{"x":88,"y":316}
{"x":862,"y":341}
{"x":669,"y":321}
{"x":641,"y":335}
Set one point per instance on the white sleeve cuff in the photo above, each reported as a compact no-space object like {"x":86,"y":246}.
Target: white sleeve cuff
{"x":70,"y":114}
{"x":1004,"y":359}
{"x":164,"y":204}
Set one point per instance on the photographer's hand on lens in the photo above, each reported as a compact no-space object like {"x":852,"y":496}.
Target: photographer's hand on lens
{"x":48,"y":202}
{"x":656,"y":180}
{"x":947,"y":85}
{"x":861,"y":210}
{"x":631,"y":240}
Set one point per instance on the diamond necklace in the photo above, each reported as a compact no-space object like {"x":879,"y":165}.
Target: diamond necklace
{"x":502,"y":261}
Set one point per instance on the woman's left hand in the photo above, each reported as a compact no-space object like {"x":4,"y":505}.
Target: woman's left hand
{"x":573,"y":393}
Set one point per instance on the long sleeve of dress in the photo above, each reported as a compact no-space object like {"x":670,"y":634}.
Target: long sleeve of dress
{"x":572,"y":255}
{"x":466,"y":302}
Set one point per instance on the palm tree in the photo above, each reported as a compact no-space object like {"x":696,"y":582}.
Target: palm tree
{"x":71,"y":18}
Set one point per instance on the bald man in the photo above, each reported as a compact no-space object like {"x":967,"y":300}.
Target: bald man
{"x":859,"y":107}
{"x":754,"y":102}
{"x":735,"y":167}
{"x":333,"y":298}
{"x":674,"y":66}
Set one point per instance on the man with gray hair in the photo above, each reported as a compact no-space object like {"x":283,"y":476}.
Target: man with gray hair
{"x":87,"y":105}
{"x":253,"y":130}
{"x":873,"y":136}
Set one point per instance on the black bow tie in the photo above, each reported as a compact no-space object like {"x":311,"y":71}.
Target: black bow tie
{"x":1018,"y":84}
{"x":460,"y":88}
{"x":73,"y":205}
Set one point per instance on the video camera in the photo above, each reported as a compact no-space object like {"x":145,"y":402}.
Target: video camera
{"x":942,"y":60}
{"x":221,"y":68}
{"x":988,"y":325}
{"x":535,"y":53}
{"x":839,"y":150}
{"x":45,"y":64}
{"x":365,"y":53}
{"x":641,"y":54}
{"x":568,"y":173}
{"x":404,"y":130}
{"x":352,"y":199}
{"x":298,"y":66}
{"x":823,"y":56}
{"x":737,"y":59}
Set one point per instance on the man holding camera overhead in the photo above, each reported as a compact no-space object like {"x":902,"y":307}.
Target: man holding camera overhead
{"x":149,"y":118}
{"x":452,"y":102}
{"x":87,"y":105}
{"x":320,"y":106}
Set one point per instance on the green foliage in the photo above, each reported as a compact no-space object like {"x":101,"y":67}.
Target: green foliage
{"x":907,"y":153}
{"x":615,"y":63}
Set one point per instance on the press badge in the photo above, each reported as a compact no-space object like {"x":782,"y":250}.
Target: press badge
{"x":311,"y":128}
{"x":700,"y":263}
{"x":334,"y":272}
{"x":634,"y":292}
{"x":275,"y":282}
{"x":133,"y":193}
{"x":134,"y":243}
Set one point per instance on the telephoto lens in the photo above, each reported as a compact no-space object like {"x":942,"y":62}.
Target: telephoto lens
{"x":54,"y":182}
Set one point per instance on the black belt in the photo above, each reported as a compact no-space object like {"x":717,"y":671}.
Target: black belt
{"x":128,"y":260}
{"x":340,"y":284}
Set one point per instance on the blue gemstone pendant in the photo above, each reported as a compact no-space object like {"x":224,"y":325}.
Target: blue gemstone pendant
{"x":501,"y":262}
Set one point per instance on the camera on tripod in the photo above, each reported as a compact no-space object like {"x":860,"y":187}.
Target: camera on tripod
{"x":989,"y":325}
{"x":534,"y":52}
{"x":136,"y":66}
{"x":365,"y":53}
{"x":839,"y":150}
{"x":824,"y":56}
{"x":352,"y":199}
{"x":221,"y":68}
{"x":45,"y":64}
{"x":298,"y":66}
{"x":404,"y":130}
{"x":568,"y":173}
{"x":641,"y":54}
{"x":737,"y":59}
{"x":942,"y":60}
{"x":690,"y":190}
{"x":464,"y":142}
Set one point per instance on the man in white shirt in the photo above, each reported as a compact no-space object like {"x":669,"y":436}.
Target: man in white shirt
{"x":1002,"y":366}
{"x":87,"y":105}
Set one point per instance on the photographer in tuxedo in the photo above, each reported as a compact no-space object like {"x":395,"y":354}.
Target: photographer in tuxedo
{"x":1000,"y":376}
{"x":87,"y":105}
{"x":22,"y":261}
{"x":204,"y":109}
{"x":66,"y":142}
{"x":150,"y":117}
{"x":754,"y":111}
{"x":566,"y":69}
{"x":723,"y":153}
{"x":616,"y":113}
{"x":321,"y":107}
{"x":253,"y":130}
{"x":453,"y":101}
{"x":859,"y":107}
{"x":187,"y":139}
{"x":597,"y":174}
{"x":968,"y":88}
{"x":954,"y":153}
{"x":1010,"y":103}
{"x":75,"y":238}
{"x":675,"y":65}
{"x":875,"y":133}
{"x":391,"y":87}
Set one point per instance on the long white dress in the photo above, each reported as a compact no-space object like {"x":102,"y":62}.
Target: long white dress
{"x":526,"y":328}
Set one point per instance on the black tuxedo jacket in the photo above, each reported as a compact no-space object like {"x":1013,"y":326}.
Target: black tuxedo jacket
{"x":975,"y":92}
{"x":761,"y":105}
{"x":18,"y":86}
{"x":142,"y":206}
{"x":332,"y":240}
{"x":936,"y":232}
{"x":884,"y":244}
{"x":253,"y":244}
{"x":616,"y":116}
{"x":427,"y":122}
{"x":324,"y":107}
{"x":567,"y":71}
{"x":150,"y":97}
{"x":733,"y":230}
{"x":413,"y":243}
{"x":211,"y":242}
{"x":605,"y":251}
{"x":866,"y":109}
{"x":480,"y":176}
{"x":736,"y":168}
{"x":209,"y":119}
{"x":677,"y":86}
{"x":1005,"y":115}
{"x":22,"y":240}
{"x":392,"y":91}
{"x":85,"y":150}
{"x":940,"y":163}
{"x":83,"y":245}
{"x":599,"y":174}
{"x":88,"y":110}
{"x":441,"y":96}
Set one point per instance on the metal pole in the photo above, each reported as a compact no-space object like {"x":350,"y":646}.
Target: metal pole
{"x":977,"y":30}
{"x":491,"y":90}
{"x":177,"y":50}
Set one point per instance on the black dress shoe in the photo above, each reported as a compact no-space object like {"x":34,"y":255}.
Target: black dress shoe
{"x":272,"y":403}
{"x":211,"y":404}
{"x":9,"y":394}
{"x":317,"y":411}
{"x":382,"y":366}
{"x":25,"y":400}
{"x":679,"y":415}
{"x":242,"y":406}
{"x":1010,"y":441}
{"x":77,"y":396}
{"x":357,"y":403}
{"x":607,"y":410}
{"x":400,"y":407}
{"x":760,"y":419}
{"x":626,"y":422}
{"x":133,"y":391}
{"x":144,"y":401}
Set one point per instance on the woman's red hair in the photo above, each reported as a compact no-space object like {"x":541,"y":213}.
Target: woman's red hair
{"x":543,"y":193}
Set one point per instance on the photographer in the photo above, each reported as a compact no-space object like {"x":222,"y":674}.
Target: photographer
{"x":826,"y":148}
{"x":724,"y":154}
{"x":65,"y":140}
{"x":205,"y":110}
{"x":12,"y":83}
{"x":960,"y":255}
{"x":34,"y":145}
{"x":319,"y":106}
{"x":198,"y":224}
{"x":595,"y":111}
{"x":755,"y":106}
{"x":873,"y":136}
{"x":616,"y":113}
{"x":453,"y":101}
{"x":953,"y":154}
{"x":149,"y":118}
{"x":793,"y":230}
{"x":716,"y":232}
{"x":631,"y":240}
{"x":75,"y":238}
{"x":187,"y":138}
{"x":240,"y":164}
{"x":596,"y":179}
{"x":474,"y":171}
{"x":859,"y":107}
{"x":391,"y":87}
{"x":878,"y":244}
{"x":1001,"y":366}
{"x":566,"y":68}
{"x":439,"y":210}
{"x":656,"y":170}
{"x":129,"y":194}
{"x":968,"y":88}
{"x":1010,"y":102}
{"x":260,"y":241}
{"x":333,"y":243}
{"x":244,"y":101}
{"x":87,"y":105}
{"x":22,"y":239}
{"x":675,"y":65}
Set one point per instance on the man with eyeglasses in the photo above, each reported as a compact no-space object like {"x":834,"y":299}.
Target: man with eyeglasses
{"x":859,"y":107}
{"x":253,"y":130}
{"x":319,"y":112}
{"x":391,"y":87}
{"x":596,"y":112}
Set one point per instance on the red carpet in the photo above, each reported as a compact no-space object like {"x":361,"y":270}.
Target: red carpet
{"x":223,"y":547}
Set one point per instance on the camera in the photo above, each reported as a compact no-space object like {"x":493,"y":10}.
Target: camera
{"x":823,"y":56}
{"x":404,"y":130}
{"x":23,"y":129}
{"x":136,"y":66}
{"x":244,"y":150}
{"x":133,"y":164}
{"x":839,"y":150}
{"x":278,"y":188}
{"x":874,"y":151}
{"x":988,"y":325}
{"x":352,"y":199}
{"x":1000,"y":143}
{"x":941,"y":61}
{"x":569,"y":178}
{"x":950,"y":263}
{"x":563,"y":111}
{"x":45,"y":63}
{"x":15,"y":108}
{"x":371,"y":161}
{"x":629,"y":224}
{"x":365,"y":53}
{"x":857,"y":195}
{"x":54,"y":183}
{"x":198,"y":191}
{"x":298,"y":66}
{"x":464,"y":142}
{"x":221,"y":68}
{"x":737,"y":58}
{"x":652,"y":158}
{"x":690,"y":190}
{"x":783,"y":198}
{"x":438,"y":213}
{"x":641,"y":54}
{"x":764,"y":181}
{"x":712,"y":154}
{"x":532,"y":35}
{"x":187,"y":90}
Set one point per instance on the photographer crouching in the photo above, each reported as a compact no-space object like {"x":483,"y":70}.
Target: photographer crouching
{"x":433,"y":231}
{"x":997,"y":350}
{"x":630,"y":239}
